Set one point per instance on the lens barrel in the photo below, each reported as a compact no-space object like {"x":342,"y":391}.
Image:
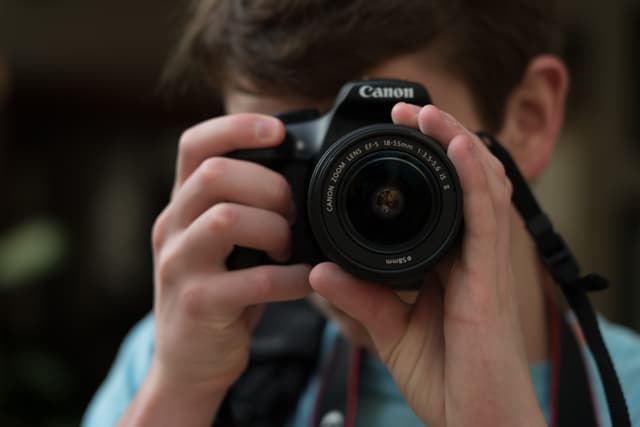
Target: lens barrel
{"x":385,"y":203}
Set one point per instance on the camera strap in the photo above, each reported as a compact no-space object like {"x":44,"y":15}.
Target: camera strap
{"x":571,"y":399}
{"x":564,"y":269}
{"x":336,"y":398}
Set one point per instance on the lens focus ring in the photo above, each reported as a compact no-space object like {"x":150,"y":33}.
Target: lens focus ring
{"x":385,"y":203}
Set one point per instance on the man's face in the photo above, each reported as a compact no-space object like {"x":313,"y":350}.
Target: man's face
{"x":448,"y":93}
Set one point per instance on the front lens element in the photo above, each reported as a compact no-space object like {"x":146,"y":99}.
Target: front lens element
{"x":389,"y":202}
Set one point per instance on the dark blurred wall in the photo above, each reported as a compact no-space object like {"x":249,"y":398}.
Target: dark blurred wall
{"x":4,"y":89}
{"x":592,"y":188}
{"x":87,"y":145}
{"x":90,"y":46}
{"x":85,"y":166}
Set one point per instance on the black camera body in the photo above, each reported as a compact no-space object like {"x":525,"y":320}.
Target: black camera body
{"x":381,"y":200}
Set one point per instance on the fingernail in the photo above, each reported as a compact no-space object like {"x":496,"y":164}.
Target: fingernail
{"x":267,"y":129}
{"x":411,"y":108}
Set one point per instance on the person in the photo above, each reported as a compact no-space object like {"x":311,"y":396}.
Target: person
{"x":472,"y":346}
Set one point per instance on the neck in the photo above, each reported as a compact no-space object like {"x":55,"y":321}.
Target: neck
{"x":531,"y":280}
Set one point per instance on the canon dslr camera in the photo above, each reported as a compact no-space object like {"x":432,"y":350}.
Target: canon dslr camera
{"x":381,"y":200}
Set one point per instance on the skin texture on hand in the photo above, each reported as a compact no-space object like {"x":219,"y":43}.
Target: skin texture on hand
{"x":457,"y":353}
{"x":203,"y":313}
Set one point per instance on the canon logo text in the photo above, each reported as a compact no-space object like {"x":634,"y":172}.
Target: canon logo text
{"x":368,"y":91}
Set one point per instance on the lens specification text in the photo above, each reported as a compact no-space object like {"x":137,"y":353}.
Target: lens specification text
{"x":398,"y":261}
{"x":372,"y":145}
{"x":435,"y":166}
{"x":395,"y":143}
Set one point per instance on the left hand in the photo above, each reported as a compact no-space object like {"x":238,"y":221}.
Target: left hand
{"x":457,"y":354}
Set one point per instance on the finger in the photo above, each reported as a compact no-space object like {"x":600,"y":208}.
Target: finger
{"x":498,"y":186}
{"x":405,"y":114}
{"x":500,"y":192}
{"x":480,"y":222}
{"x":440,"y":125}
{"x":378,"y":308}
{"x":221,"y":135}
{"x":248,"y":287}
{"x":263,"y":284}
{"x":491,"y":178}
{"x":426,"y":322}
{"x":220,"y":179}
{"x":210,"y":239}
{"x":466,"y":156}
{"x":443,"y":127}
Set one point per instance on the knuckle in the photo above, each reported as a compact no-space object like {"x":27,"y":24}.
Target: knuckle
{"x":264,"y":283}
{"x":223,"y":218}
{"x":165,"y":263}
{"x":429,"y":114}
{"x":430,"y":109}
{"x":498,"y":167}
{"x":282,"y":191}
{"x":186,"y":142}
{"x":192,"y":300}
{"x":503,"y":194}
{"x":159,"y":231}
{"x":213,"y":170}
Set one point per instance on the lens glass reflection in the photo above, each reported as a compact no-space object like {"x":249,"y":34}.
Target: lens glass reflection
{"x":389,"y":201}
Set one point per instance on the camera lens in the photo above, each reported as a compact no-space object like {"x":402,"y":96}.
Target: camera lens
{"x":388,"y":202}
{"x":384,"y":202}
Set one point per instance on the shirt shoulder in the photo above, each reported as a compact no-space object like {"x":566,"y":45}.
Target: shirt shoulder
{"x":622,"y":341}
{"x":623,"y":345}
{"x":125,"y":376}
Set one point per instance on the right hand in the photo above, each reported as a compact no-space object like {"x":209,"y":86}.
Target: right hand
{"x":204,"y":314}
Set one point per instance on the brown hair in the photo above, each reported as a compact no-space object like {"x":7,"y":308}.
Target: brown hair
{"x":309,"y":48}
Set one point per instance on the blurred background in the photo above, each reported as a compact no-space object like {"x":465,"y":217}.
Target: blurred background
{"x":87,"y":145}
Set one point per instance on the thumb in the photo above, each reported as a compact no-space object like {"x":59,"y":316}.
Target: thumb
{"x":377,"y":307}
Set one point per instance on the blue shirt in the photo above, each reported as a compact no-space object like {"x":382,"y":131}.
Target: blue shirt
{"x":380,"y":403}
{"x":377,"y":386}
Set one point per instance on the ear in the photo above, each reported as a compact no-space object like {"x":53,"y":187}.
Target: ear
{"x":534,"y":114}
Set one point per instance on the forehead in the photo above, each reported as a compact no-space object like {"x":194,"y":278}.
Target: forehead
{"x":447,"y":92}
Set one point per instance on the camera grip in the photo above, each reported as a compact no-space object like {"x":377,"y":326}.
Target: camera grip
{"x":297,"y":173}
